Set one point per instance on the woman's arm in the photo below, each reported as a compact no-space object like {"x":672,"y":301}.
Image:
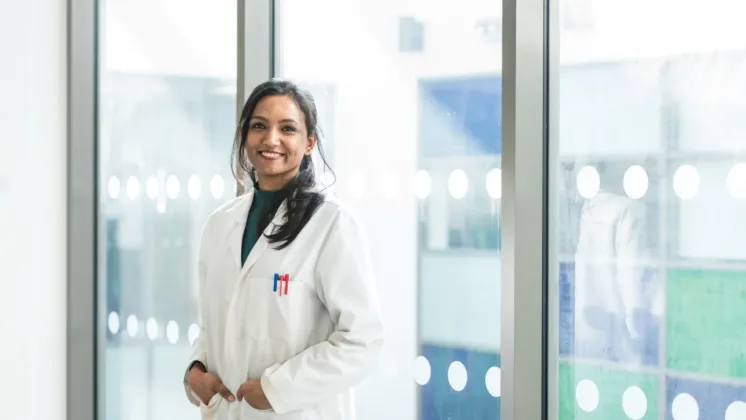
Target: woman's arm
{"x":198,"y":358}
{"x":347,"y":287}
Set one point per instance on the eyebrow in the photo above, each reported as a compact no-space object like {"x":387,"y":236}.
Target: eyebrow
{"x":286,"y":120}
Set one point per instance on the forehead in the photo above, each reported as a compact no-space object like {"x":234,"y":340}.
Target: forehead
{"x":278,"y":107}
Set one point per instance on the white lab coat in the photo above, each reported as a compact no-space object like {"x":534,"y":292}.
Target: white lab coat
{"x":309,"y":347}
{"x":610,"y":264}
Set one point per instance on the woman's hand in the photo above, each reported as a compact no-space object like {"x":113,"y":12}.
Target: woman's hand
{"x":206,"y":385}
{"x":252,"y":392}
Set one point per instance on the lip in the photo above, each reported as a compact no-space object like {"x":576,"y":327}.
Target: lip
{"x":270,"y":155}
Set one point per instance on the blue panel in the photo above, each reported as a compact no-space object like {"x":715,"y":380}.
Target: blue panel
{"x":713,"y":399}
{"x":603,"y":343}
{"x":439,"y":401}
{"x":472,"y":106}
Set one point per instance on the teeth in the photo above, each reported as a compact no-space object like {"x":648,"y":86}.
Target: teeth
{"x":271,"y":154}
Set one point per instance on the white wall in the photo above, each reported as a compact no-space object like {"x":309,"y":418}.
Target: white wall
{"x":32,"y":209}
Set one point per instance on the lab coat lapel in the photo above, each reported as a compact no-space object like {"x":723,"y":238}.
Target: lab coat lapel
{"x":235,"y":237}
{"x":262,"y":244}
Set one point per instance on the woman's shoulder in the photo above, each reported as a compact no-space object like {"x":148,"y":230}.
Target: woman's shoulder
{"x":334,"y":210}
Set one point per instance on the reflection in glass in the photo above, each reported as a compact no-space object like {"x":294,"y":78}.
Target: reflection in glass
{"x":652,"y":242}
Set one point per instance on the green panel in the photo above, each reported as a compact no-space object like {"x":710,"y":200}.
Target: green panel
{"x":706,"y":327}
{"x":611,"y":384}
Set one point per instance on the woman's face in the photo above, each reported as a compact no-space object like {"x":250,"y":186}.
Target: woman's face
{"x":277,"y":141}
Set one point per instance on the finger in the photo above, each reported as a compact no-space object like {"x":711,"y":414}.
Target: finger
{"x":222,"y":390}
{"x":240,"y":393}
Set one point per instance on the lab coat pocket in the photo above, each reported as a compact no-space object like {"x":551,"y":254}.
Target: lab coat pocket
{"x":281,"y":309}
{"x":210,"y":411}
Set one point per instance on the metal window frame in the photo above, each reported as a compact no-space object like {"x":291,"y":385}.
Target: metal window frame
{"x":529,"y":113}
{"x":82,"y":210}
{"x":525,"y":211}
{"x":256,"y":49}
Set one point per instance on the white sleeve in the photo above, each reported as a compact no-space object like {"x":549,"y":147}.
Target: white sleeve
{"x":347,"y":287}
{"x":199,"y":348}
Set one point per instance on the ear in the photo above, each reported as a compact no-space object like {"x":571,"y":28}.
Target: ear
{"x":310,"y":145}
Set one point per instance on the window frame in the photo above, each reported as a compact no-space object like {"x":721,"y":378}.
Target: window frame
{"x":529,"y":113}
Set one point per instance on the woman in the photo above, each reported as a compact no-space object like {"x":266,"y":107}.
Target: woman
{"x":289,"y":310}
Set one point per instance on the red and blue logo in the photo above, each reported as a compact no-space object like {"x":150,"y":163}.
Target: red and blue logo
{"x":282,"y":283}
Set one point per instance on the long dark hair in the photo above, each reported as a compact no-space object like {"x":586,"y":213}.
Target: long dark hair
{"x":301,"y":196}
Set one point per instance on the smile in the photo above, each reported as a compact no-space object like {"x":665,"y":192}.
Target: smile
{"x":271,"y":155}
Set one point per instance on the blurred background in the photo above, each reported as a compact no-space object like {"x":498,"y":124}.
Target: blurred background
{"x":647,"y":207}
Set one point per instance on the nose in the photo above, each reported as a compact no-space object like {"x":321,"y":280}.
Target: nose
{"x":272,"y":138}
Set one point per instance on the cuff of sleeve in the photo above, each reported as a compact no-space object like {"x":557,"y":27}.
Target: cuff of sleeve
{"x":272,"y":393}
{"x":191,"y":396}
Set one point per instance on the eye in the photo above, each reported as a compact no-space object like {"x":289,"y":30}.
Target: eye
{"x":289,"y":128}
{"x":257,"y":125}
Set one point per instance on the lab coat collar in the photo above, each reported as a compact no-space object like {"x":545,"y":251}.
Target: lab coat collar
{"x":239,"y":213}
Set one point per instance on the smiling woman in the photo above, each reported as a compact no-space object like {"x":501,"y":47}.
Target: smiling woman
{"x":277,"y":131}
{"x":300,"y":349}
{"x":276,"y":144}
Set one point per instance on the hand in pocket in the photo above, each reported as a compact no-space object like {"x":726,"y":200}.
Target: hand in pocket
{"x":206,"y":385}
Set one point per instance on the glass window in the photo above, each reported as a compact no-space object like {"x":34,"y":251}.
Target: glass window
{"x":166,"y":123}
{"x":413,"y":118}
{"x":649,"y":211}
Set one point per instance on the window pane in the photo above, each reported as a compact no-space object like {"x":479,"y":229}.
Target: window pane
{"x":167,"y":116}
{"x":410,"y":96}
{"x":650,"y":211}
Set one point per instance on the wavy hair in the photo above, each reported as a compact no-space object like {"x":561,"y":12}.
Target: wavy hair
{"x":301,"y":195}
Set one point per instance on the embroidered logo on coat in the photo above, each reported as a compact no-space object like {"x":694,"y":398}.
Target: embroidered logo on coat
{"x":282,"y":284}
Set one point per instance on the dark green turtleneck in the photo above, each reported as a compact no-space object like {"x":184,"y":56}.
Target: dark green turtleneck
{"x":260,"y":205}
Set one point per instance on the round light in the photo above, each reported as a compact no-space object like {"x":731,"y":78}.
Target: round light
{"x":151,"y":329}
{"x":494,"y":183}
{"x":736,"y":411}
{"x":635,"y":403}
{"x":422,"y":370}
{"x":635,"y":182}
{"x":113,"y":322}
{"x":736,"y":181}
{"x":421,"y":185}
{"x":492,"y":381}
{"x":132,"y":325}
{"x":172,"y":187}
{"x":457,"y":376}
{"x":587,"y":395}
{"x":172,"y":332}
{"x":217,"y":187}
{"x":194,"y":187}
{"x":151,"y":187}
{"x":458,"y":184}
{"x":133,"y":187}
{"x":686,"y":182}
{"x":588,"y":182}
{"x":114,"y":186}
{"x":193,"y":333}
{"x":684,"y":407}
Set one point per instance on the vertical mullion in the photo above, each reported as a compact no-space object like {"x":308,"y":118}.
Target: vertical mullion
{"x":524,"y":235}
{"x":83,"y":353}
{"x":553,"y":257}
{"x":255,"y":48}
